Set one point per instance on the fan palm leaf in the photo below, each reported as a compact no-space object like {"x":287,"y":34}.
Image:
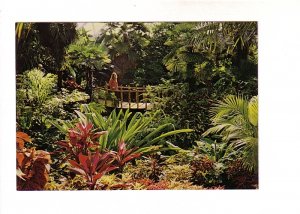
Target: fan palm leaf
{"x":236,"y":120}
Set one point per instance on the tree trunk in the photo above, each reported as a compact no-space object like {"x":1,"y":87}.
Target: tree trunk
{"x":89,"y":83}
{"x":241,"y":55}
{"x":59,"y":79}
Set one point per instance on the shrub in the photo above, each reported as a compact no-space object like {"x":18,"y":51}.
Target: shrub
{"x":237,"y":177}
{"x":140,"y":170}
{"x":81,"y":139}
{"x":236,"y":120}
{"x":183,"y":185}
{"x":162,"y":185}
{"x":123,"y":155}
{"x":32,"y":166}
{"x":38,"y":102}
{"x":92,"y":166}
{"x":149,"y":167}
{"x":178,"y":173}
{"x":82,"y":152}
{"x":187,"y":109}
{"x":75,"y":183}
{"x":207,"y":172}
{"x":183,"y":157}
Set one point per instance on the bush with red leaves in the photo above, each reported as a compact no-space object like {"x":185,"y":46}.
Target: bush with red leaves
{"x":32,"y":166}
{"x":240,"y":178}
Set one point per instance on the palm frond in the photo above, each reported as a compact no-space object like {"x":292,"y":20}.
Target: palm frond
{"x":229,"y":107}
{"x":236,"y":120}
{"x":250,"y":154}
{"x":253,"y":111}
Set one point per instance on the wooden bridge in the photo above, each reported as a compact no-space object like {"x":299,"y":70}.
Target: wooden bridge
{"x":127,"y":97}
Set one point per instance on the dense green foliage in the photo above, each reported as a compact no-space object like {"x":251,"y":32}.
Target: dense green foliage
{"x":201,"y":78}
{"x":138,"y":130}
{"x":43,"y":44}
{"x":38,"y":102}
{"x":84,"y":58}
{"x":126,"y":43}
{"x":237,"y":121}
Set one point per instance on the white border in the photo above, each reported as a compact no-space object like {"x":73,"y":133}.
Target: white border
{"x":279,"y":95}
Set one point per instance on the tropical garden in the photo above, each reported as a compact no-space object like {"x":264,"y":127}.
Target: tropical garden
{"x":201,"y":132}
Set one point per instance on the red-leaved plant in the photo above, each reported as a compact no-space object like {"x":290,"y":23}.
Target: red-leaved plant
{"x":81,"y":140}
{"x":84,"y":156}
{"x":93,"y":166}
{"x":32,"y":166}
{"x":123,"y":155}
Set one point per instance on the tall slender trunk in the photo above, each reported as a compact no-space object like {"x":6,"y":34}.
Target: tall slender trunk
{"x":89,"y":83}
{"x":59,"y":79}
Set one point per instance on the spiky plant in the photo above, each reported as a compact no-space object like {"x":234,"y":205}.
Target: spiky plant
{"x":135,"y":130}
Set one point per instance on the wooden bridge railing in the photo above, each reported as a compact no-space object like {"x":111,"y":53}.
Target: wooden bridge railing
{"x":131,"y":97}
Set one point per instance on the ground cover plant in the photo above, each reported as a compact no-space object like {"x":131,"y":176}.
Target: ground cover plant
{"x":186,"y":116}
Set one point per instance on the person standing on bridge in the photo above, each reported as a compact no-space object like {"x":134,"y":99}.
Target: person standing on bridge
{"x":113,"y":82}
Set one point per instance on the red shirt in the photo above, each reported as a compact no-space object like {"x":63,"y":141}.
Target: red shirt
{"x":113,"y":84}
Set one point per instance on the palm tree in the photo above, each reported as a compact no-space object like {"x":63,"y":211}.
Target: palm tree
{"x":206,"y":44}
{"x":236,"y":120}
{"x":226,"y":39}
{"x":56,"y":37}
{"x":43,"y":43}
{"x":220,"y":36}
{"x":22,"y":30}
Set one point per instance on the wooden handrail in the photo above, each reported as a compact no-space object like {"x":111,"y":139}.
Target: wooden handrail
{"x":124,"y":88}
{"x":128,"y":97}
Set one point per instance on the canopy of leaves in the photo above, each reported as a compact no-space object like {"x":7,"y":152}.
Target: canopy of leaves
{"x":42,"y":43}
{"x":85,"y":54}
{"x":126,"y":43}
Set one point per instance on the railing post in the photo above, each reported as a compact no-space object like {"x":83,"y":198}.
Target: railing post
{"x":129,"y":96}
{"x":136,"y":96}
{"x":121,"y":91}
